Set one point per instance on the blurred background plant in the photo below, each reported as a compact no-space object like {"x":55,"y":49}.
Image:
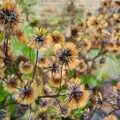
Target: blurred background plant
{"x":70,"y":22}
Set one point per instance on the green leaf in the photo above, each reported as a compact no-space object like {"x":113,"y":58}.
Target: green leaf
{"x":28,"y":30}
{"x":3,"y":93}
{"x":114,"y":82}
{"x":19,"y":48}
{"x":77,"y":113}
{"x":93,"y":53}
{"x":29,"y":53}
{"x":103,"y":75}
{"x":90,"y":80}
{"x":72,"y":73}
{"x":1,"y":36}
{"x":11,"y":106}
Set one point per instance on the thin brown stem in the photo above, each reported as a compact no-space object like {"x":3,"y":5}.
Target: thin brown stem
{"x":6,"y":44}
{"x":61,"y":70}
{"x":35,"y":67}
{"x":52,"y":96}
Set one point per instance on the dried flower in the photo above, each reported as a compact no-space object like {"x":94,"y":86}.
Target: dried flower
{"x":67,"y":55}
{"x":28,"y":94}
{"x":39,"y":40}
{"x":78,"y":96}
{"x":12,"y":84}
{"x":9,"y":15}
{"x":25,"y":67}
{"x":57,"y":37}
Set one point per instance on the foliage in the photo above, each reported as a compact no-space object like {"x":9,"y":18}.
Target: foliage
{"x":56,"y":68}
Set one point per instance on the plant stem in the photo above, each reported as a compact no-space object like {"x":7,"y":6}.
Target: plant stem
{"x":6,"y":44}
{"x":60,"y":80}
{"x":52,"y":96}
{"x":35,"y":67}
